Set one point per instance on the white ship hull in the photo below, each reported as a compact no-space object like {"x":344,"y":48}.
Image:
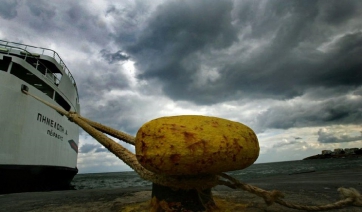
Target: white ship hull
{"x":38,"y":146}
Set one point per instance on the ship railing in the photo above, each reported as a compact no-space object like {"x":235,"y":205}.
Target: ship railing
{"x":38,"y":65}
{"x":35,"y":52}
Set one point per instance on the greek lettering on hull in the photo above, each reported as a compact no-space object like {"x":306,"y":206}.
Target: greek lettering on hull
{"x":54,"y":134}
{"x":54,"y":126}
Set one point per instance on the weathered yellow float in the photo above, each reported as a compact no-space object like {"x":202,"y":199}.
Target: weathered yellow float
{"x":193,"y":145}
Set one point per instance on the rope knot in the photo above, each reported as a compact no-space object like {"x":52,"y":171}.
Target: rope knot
{"x":351,"y":193}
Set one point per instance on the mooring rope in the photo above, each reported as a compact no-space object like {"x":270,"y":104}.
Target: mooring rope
{"x":348,"y":196}
{"x":110,"y":131}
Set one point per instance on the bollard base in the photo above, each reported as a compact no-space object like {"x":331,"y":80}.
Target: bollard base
{"x":167,"y":199}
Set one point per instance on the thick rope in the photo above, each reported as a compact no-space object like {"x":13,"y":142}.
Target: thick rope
{"x":348,"y":196}
{"x":269,"y":196}
{"x":110,"y":131}
{"x":199,"y":182}
{"x":58,"y":109}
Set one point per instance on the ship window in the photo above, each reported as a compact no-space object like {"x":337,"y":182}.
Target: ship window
{"x":32,"y":61}
{"x":61,"y":101}
{"x":4,"y":63}
{"x":25,"y":75}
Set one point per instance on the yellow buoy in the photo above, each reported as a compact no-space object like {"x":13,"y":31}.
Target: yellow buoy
{"x":191,"y":145}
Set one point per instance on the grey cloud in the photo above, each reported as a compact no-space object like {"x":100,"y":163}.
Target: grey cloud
{"x":87,"y":148}
{"x":113,"y":57}
{"x":182,"y":36}
{"x":185,"y":27}
{"x":104,"y":78}
{"x":129,"y":14}
{"x":70,"y":21}
{"x":337,"y":12}
{"x":8,"y":9}
{"x":121,"y":114}
{"x":101,"y":149}
{"x":103,"y":83}
{"x":303,"y":113}
{"x":289,"y":75}
{"x":287,"y":143}
{"x":44,"y":10}
{"x":99,"y":79}
{"x":111,"y":9}
{"x":358,"y":92}
{"x":325,"y":136}
{"x":130,"y":18}
{"x":176,"y":33}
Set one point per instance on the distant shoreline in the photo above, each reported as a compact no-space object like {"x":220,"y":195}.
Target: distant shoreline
{"x":328,"y":156}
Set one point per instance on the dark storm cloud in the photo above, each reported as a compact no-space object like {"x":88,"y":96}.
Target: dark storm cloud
{"x":8,"y":9}
{"x":291,"y":62}
{"x":336,"y":110}
{"x":129,"y":17}
{"x":176,"y":31}
{"x":84,"y":25}
{"x":185,"y":27}
{"x":289,"y":75}
{"x":338,"y":12}
{"x":113,"y":57}
{"x":281,"y":57}
{"x":325,"y":136}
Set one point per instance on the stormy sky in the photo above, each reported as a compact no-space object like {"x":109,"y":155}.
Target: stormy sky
{"x":291,"y":70}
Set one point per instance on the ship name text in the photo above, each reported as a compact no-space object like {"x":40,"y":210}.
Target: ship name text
{"x":55,"y":126}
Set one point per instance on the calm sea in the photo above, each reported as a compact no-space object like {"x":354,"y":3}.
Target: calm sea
{"x":131,"y":179}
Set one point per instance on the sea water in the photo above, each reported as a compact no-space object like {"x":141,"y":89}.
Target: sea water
{"x":131,"y":179}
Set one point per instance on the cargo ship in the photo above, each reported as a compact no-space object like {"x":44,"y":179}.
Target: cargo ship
{"x":38,"y":146}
